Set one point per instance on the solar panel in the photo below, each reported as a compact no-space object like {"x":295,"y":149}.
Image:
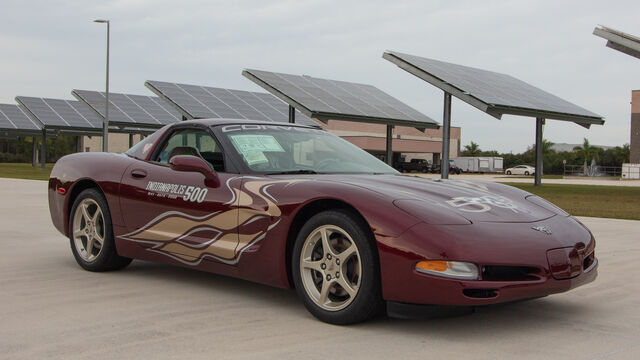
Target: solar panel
{"x":14,"y":118}
{"x":200,"y":102}
{"x":60,"y":114}
{"x":493,"y":92}
{"x":126,"y":109}
{"x":339,"y":100}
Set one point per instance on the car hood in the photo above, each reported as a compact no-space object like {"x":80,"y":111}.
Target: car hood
{"x":476,"y":201}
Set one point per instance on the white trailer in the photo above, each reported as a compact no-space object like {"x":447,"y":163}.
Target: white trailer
{"x":630,"y":171}
{"x":467,"y":164}
{"x":478,"y":164}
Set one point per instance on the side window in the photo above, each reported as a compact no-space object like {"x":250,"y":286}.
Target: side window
{"x":193,"y":142}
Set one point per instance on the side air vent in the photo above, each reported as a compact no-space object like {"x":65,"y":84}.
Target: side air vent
{"x":480,"y":293}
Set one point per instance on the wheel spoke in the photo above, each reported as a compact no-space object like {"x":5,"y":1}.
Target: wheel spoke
{"x":324,"y":292}
{"x":96,"y":216}
{"x":85,"y":212}
{"x":79,"y":232}
{"x":347,"y":253}
{"x":347,"y":287}
{"x":89,"y":247}
{"x":326,"y":246}
{"x":313,"y":265}
{"x":98,"y":238}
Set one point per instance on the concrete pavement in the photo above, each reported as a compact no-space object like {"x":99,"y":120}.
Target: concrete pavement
{"x":51,"y":308}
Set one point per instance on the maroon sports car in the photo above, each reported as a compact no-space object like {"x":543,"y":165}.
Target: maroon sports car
{"x":294,"y":206}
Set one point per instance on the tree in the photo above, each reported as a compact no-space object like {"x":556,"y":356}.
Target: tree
{"x":586,"y":151}
{"x":472,"y":149}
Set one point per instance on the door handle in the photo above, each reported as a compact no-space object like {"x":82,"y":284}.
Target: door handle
{"x":138,"y":173}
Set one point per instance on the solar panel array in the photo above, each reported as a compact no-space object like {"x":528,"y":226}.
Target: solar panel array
{"x":201,"y":102}
{"x":60,"y":114}
{"x":338,"y":99}
{"x":14,"y":118}
{"x":130,"y":110}
{"x":497,"y":91}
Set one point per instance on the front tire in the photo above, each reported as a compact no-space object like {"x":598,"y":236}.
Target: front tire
{"x":91,"y":233}
{"x":335,"y":268}
{"x":508,"y":172}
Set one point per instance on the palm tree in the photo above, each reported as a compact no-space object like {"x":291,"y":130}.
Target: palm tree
{"x":472,"y":149}
{"x":587,"y":151}
{"x":547,"y":147}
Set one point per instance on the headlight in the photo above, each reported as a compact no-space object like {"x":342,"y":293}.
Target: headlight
{"x":449,"y":269}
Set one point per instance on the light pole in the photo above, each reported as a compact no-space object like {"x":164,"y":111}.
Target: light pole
{"x":105,"y":124}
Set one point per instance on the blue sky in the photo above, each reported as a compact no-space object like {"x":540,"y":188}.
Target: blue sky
{"x":52,"y":47}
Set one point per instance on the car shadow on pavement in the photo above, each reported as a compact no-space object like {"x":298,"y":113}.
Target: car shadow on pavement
{"x":487,"y":321}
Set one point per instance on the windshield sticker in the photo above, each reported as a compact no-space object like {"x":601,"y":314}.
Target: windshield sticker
{"x":481,"y":204}
{"x":254,"y":143}
{"x":255,"y":157}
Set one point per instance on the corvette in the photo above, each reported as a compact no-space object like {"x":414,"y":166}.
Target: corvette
{"x":297,"y":207}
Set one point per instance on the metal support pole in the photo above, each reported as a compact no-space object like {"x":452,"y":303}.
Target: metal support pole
{"x":130,"y":141}
{"x":43,"y":149}
{"x":389,"y":149}
{"x":34,"y":156}
{"x":78,"y":143}
{"x":292,"y":114}
{"x":538,"y":174}
{"x":446,"y":129}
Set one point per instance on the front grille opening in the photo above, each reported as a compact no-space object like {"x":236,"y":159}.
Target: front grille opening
{"x":509,"y":273}
{"x":480,"y":293}
{"x":588,"y":261}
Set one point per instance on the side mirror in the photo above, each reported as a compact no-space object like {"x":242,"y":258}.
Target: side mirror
{"x":191,"y":163}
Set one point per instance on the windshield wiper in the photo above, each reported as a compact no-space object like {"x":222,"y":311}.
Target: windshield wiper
{"x":302,"y":171}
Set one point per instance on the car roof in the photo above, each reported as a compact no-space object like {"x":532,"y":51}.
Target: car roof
{"x":218,"y":121}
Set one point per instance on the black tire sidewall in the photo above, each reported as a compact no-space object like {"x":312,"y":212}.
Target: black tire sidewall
{"x":105,"y":260}
{"x":368,"y":301}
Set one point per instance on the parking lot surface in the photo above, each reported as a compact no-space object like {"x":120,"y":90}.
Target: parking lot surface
{"x":53,"y":309}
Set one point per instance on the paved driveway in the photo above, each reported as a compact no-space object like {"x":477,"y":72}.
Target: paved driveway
{"x":53,"y":309}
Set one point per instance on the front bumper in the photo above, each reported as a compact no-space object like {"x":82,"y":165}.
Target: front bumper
{"x":507,"y":244}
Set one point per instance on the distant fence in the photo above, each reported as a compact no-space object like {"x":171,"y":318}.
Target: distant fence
{"x":592,"y":170}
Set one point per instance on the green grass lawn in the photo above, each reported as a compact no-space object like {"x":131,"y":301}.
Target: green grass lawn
{"x":24,"y":171}
{"x":531,"y":177}
{"x":620,"y":202}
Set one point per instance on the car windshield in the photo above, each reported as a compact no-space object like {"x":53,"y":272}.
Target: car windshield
{"x":281,"y":149}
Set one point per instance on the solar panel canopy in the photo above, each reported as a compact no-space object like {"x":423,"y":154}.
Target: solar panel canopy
{"x":60,"y":114}
{"x":203,"y":102}
{"x":14,"y":120}
{"x":339,"y":100}
{"x":620,"y":41}
{"x":492,"y":92}
{"x":129,"y":110}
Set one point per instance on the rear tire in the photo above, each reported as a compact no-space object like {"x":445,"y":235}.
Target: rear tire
{"x":526,"y":173}
{"x":91,"y":233}
{"x":336,"y":270}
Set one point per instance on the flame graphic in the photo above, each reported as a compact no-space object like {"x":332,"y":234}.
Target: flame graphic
{"x":228,"y":244}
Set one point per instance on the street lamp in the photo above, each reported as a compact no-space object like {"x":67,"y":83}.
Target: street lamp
{"x":105,"y":124}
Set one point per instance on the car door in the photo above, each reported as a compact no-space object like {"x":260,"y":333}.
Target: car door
{"x":174,"y":213}
{"x":518,"y":170}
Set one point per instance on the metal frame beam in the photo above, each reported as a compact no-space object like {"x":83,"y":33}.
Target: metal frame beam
{"x":292,"y":114}
{"x":34,"y":155}
{"x":446,"y":136}
{"x":389,"y":146}
{"x":539,"y":163}
{"x":43,"y":149}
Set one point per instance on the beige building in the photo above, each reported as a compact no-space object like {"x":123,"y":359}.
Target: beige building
{"x":117,"y":142}
{"x":408,"y":143}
